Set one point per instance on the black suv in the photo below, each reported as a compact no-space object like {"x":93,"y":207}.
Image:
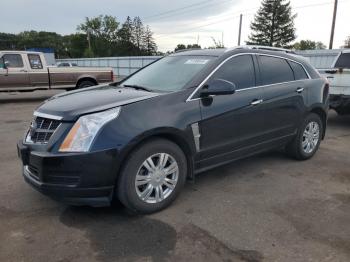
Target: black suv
{"x":138,"y":140}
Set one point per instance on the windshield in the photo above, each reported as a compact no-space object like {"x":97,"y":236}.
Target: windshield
{"x":343,"y":61}
{"x":169,"y":74}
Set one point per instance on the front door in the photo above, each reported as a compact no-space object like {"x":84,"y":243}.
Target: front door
{"x":16,"y":75}
{"x":231,"y":124}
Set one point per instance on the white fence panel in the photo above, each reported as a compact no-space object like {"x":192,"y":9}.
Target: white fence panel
{"x":122,"y":66}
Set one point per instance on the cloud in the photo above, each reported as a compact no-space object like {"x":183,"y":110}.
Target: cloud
{"x":207,"y":20}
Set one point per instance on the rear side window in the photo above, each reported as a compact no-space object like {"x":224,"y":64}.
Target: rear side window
{"x":343,"y":61}
{"x":238,"y":70}
{"x":299,"y":72}
{"x":13,"y":60}
{"x":35,"y":61}
{"x":275,"y":70}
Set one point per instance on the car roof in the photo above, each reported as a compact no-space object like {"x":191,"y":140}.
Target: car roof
{"x":19,"y":52}
{"x":225,"y":52}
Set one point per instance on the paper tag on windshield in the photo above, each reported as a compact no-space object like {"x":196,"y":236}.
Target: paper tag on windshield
{"x":196,"y":62}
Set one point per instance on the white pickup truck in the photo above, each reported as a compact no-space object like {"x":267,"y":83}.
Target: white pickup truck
{"x":335,"y":66}
{"x":28,"y":71}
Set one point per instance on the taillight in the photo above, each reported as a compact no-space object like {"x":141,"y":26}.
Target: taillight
{"x":112,"y":76}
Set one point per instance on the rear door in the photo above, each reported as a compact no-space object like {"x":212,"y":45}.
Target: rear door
{"x":38,"y":75}
{"x":16,"y":75}
{"x":231,"y":124}
{"x":284,"y":95}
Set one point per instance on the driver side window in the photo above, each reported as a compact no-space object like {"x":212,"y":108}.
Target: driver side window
{"x":13,"y":60}
{"x":238,"y":70}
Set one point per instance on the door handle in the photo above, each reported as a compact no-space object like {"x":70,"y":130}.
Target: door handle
{"x":300,"y":90}
{"x":256,"y":102}
{"x":24,"y":71}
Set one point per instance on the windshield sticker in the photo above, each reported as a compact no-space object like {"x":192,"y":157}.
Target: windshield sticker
{"x":196,"y":62}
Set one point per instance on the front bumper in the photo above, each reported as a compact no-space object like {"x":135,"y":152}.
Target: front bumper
{"x":74,"y":178}
{"x":337,"y":101}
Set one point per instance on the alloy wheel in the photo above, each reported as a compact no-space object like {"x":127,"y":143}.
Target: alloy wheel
{"x":157,"y":177}
{"x":311,"y":137}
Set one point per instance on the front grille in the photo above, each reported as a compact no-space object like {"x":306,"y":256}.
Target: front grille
{"x":42,"y":129}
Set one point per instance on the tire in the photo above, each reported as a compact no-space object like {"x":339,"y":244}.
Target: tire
{"x":85,"y":84}
{"x":298,"y":147}
{"x":342,"y":111}
{"x":133,"y":196}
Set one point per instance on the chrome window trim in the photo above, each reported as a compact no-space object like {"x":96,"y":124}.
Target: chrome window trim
{"x":44,"y":115}
{"x":248,"y":88}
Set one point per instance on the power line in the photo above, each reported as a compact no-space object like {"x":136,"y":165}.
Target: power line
{"x":178,"y":9}
{"x":244,"y":12}
{"x":215,"y":21}
{"x":189,"y":29}
{"x":180,"y":12}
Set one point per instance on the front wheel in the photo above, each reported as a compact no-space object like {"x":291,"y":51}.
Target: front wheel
{"x":308,"y":138}
{"x":152,"y":177}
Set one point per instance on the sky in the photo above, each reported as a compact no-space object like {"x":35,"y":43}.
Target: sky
{"x":174,"y":22}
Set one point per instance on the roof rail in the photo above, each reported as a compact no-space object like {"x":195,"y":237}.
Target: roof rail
{"x":268,"y":48}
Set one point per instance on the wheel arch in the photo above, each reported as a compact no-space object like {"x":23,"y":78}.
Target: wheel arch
{"x":323,"y":115}
{"x":86,"y":78}
{"x":170,"y":135}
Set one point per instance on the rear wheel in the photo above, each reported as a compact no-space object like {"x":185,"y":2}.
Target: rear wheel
{"x":308,"y":138}
{"x":85,"y":84}
{"x":152,"y":177}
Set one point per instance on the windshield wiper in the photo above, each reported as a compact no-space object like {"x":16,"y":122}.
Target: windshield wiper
{"x":137,"y":87}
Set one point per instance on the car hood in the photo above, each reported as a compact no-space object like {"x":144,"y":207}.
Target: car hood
{"x":70,"y":105}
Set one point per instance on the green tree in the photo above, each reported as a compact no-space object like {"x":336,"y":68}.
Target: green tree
{"x":179,"y":47}
{"x":105,"y":27}
{"x":8,"y":41}
{"x":138,"y":34}
{"x":308,"y":45}
{"x":107,"y":38}
{"x":150,"y":45}
{"x":35,"y":39}
{"x":273,"y":24}
{"x":183,"y":47}
{"x":103,"y":32}
{"x":75,"y":45}
{"x":126,"y":39}
{"x":194,"y":46}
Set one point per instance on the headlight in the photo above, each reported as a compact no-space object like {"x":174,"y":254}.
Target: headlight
{"x":83,"y":133}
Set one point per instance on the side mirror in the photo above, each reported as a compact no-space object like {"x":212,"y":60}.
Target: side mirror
{"x":218,"y":87}
{"x":6,"y":64}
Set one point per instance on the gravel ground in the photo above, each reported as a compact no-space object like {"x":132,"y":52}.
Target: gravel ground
{"x":265,"y":208}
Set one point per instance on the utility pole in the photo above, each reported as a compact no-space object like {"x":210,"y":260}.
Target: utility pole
{"x":240,"y":29}
{"x":333,"y":23}
{"x":89,"y":31}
